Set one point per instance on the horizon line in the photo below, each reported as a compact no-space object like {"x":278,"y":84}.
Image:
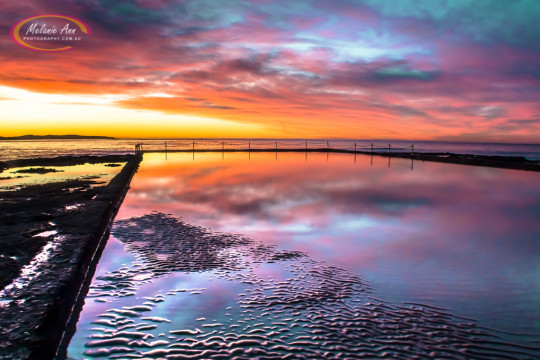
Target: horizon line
{"x":272,"y":138}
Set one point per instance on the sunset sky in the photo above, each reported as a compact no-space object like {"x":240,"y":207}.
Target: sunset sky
{"x":465,"y":70}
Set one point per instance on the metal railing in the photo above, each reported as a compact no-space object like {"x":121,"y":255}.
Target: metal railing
{"x":238,"y":145}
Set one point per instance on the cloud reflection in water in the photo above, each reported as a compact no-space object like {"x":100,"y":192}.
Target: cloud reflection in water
{"x":465,"y":237}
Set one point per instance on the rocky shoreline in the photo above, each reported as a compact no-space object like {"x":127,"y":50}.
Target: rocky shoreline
{"x":50,"y":235}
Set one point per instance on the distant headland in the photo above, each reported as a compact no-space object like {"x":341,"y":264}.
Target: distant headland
{"x":53,"y":137}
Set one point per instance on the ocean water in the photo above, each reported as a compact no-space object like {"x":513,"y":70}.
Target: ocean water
{"x":314,"y":256}
{"x":46,"y":148}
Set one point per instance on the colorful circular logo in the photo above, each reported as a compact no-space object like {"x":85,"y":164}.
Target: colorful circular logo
{"x":49,"y":32}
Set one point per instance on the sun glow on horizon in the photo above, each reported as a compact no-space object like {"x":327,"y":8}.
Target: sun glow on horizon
{"x":26,"y":112}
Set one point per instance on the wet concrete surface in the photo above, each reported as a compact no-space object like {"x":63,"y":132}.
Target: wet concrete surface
{"x":48,"y":236}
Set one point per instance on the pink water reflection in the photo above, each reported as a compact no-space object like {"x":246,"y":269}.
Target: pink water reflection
{"x":466,"y":237}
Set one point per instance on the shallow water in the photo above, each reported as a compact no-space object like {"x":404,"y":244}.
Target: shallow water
{"x":313,"y":256}
{"x":18,"y":177}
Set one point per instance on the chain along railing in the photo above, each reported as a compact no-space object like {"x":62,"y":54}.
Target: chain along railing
{"x":270,"y":145}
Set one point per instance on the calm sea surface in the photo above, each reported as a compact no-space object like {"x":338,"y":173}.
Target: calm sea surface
{"x":293,"y":255}
{"x":46,"y":148}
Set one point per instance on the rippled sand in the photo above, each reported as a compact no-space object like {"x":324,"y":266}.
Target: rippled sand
{"x":318,"y":311}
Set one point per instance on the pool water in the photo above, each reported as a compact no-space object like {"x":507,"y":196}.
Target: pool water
{"x":293,"y":255}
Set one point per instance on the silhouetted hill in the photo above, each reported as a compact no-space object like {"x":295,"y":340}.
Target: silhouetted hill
{"x":53,"y":137}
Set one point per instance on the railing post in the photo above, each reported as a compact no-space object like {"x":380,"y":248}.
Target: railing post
{"x":412,"y":149}
{"x":223,"y":146}
{"x":306,"y":145}
{"x":388,"y":149}
{"x":194,"y":146}
{"x":327,"y":146}
{"x":276,"y":145}
{"x":355,"y":147}
{"x":249,"y":145}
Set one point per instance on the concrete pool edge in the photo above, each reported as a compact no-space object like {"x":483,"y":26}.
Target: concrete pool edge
{"x":92,"y":257}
